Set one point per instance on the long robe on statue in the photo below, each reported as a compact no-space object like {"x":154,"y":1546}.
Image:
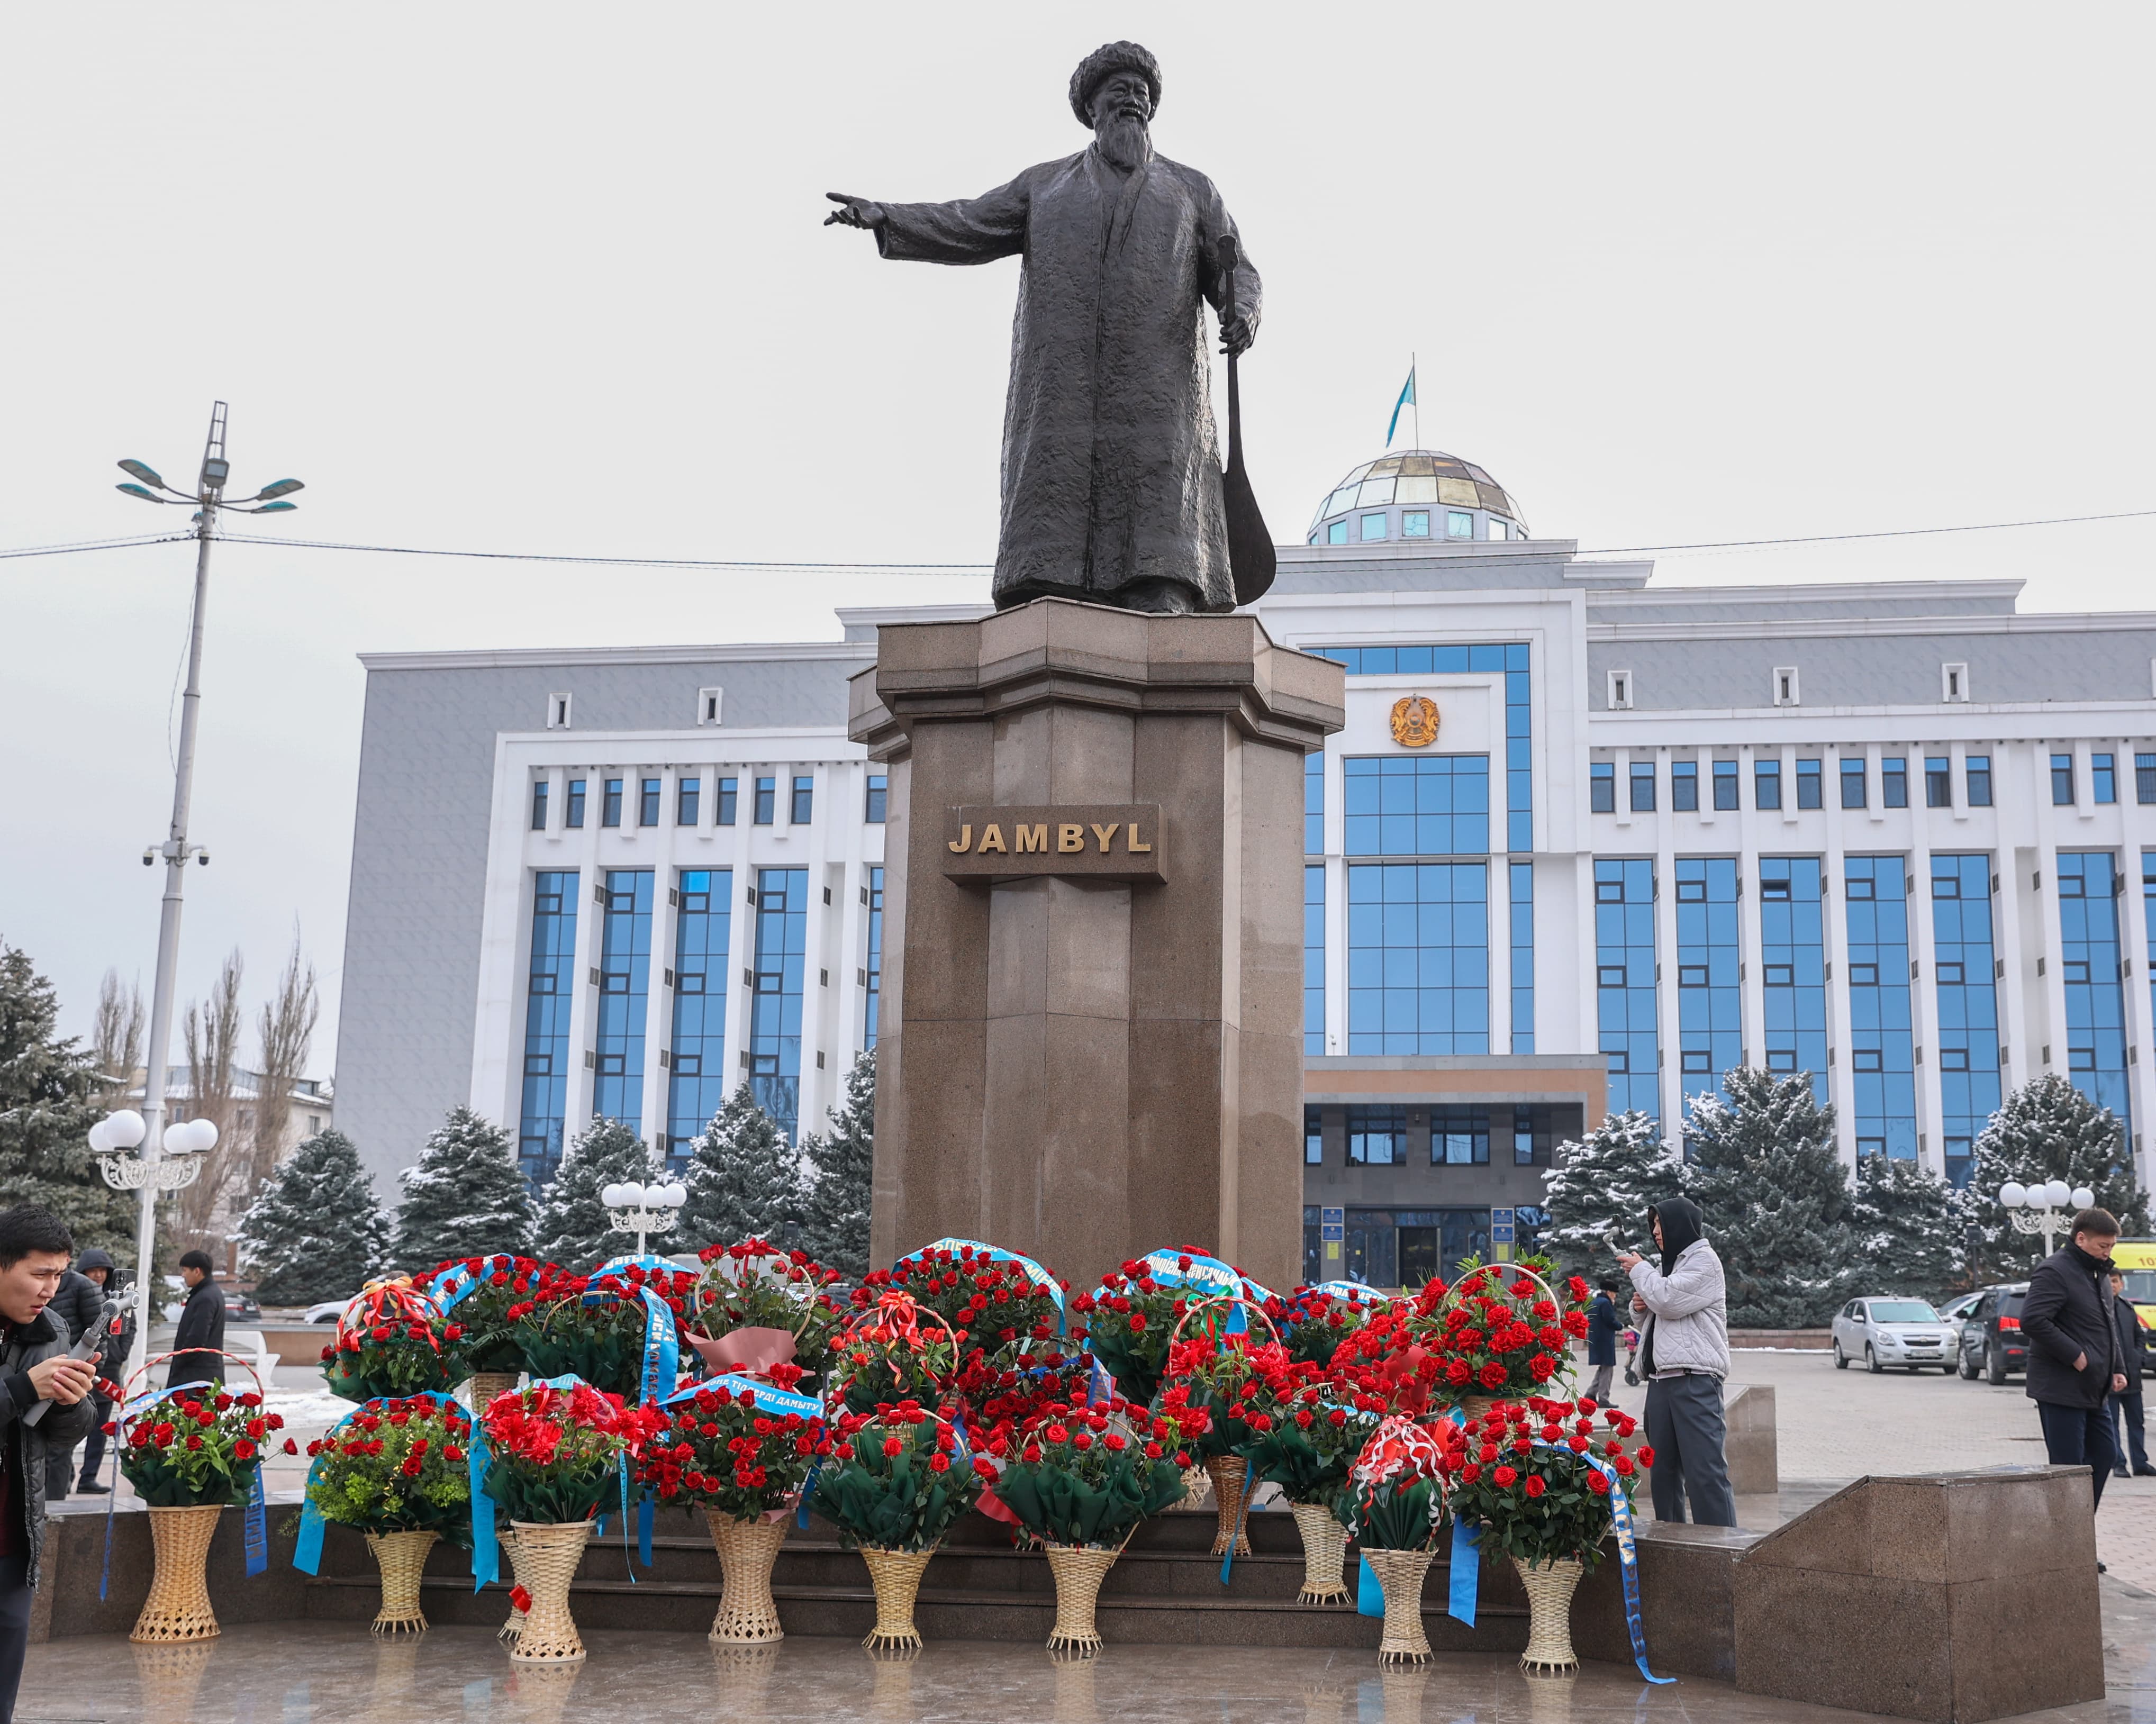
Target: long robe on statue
{"x":1111,"y":463}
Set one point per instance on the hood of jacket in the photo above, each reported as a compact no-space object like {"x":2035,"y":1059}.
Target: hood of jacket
{"x":1682,"y":1228}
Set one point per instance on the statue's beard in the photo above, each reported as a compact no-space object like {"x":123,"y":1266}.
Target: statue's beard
{"x":1124,"y":142}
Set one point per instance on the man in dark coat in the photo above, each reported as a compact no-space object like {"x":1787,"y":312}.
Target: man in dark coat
{"x":1110,"y":465}
{"x":1602,"y":1339}
{"x":2075,"y":1360}
{"x":202,"y":1326}
{"x":2128,"y":1432}
{"x":76,"y":1304}
{"x":97,"y":1264}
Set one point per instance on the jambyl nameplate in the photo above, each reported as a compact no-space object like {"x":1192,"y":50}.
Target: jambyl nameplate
{"x":1104,"y":841}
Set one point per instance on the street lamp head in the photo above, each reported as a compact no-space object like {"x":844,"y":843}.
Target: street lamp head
{"x":2012,"y":1194}
{"x":282,"y":488}
{"x":100,"y":1138}
{"x":136,"y":491}
{"x":143,"y":471}
{"x":273,"y":508}
{"x":2082,"y":1198}
{"x":616,"y":1196}
{"x":191,"y":1137}
{"x":670,"y":1196}
{"x":2058,"y":1193}
{"x":215,"y":471}
{"x":126,"y":1129}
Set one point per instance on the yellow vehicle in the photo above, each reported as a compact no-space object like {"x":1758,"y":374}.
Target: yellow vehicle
{"x":2136,"y":1258}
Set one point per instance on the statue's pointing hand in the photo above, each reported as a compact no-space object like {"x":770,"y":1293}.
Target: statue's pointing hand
{"x":854,"y":212}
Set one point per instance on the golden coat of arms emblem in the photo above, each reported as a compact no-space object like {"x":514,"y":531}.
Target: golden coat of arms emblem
{"x":1414,"y":721}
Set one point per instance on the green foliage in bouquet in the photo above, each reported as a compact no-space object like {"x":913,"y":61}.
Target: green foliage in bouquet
{"x":391,"y":1343}
{"x":896,"y":1481}
{"x":491,"y":1340}
{"x":1312,"y":1322}
{"x":1087,"y":1476}
{"x":1130,"y":1320}
{"x":593,"y":1328}
{"x":189,"y":1450}
{"x":1312,"y":1431}
{"x":396,"y":1467}
{"x":555,"y":1455}
{"x":1523,"y":1472}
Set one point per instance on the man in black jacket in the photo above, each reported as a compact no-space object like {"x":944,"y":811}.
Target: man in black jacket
{"x":2129,"y":1433}
{"x":2075,"y":1361}
{"x":197,"y":1347}
{"x":97,"y":1264}
{"x":76,"y":1304}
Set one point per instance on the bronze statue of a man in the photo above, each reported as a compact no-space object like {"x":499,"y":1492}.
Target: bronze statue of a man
{"x":1111,"y":481}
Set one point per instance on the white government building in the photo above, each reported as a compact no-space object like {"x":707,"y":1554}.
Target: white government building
{"x":1889,"y":833}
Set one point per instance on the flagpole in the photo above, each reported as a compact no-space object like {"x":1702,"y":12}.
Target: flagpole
{"x":1418,"y":399}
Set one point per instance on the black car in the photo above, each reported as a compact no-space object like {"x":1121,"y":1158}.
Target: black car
{"x":1991,"y":1338}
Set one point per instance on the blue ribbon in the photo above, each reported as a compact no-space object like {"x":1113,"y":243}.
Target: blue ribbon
{"x":768,"y":1396}
{"x":254,"y":1526}
{"x":662,"y":1351}
{"x":1369,"y":1592}
{"x":650,"y":1261}
{"x":459,"y":1281}
{"x":1465,"y":1573}
{"x":307,"y":1548}
{"x":995,"y":1253}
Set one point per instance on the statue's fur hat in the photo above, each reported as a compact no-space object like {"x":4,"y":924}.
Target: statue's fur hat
{"x":1103,"y":62}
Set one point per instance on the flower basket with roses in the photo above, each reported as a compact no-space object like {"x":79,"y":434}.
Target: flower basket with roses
{"x":1312,"y":1322}
{"x":894,"y":1350}
{"x":756,"y":1305}
{"x":596,"y":1327}
{"x":1132,"y":1315}
{"x":1079,"y":1479}
{"x":742,"y":1449}
{"x":189,"y":1454}
{"x":392,"y":1341}
{"x":1314,"y":1430}
{"x":400,"y":1472}
{"x":557,"y":1454}
{"x":1396,"y":1502}
{"x":893,"y":1485}
{"x":1216,"y":1360}
{"x":1501,"y":1330}
{"x":1005,"y":1312}
{"x":1543,"y":1479}
{"x":476,"y":1293}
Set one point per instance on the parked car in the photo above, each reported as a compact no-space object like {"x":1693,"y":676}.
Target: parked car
{"x":1886,"y":1329}
{"x":1991,"y":1338}
{"x":2136,"y":1260}
{"x":1955,"y":1312}
{"x":330,"y":1310}
{"x":241,"y":1307}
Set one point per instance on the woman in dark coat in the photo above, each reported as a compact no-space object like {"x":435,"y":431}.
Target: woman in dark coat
{"x":1602,"y":1327}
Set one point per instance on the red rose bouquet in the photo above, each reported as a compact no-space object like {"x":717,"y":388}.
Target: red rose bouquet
{"x":1001,"y":1316}
{"x":755,"y":1307}
{"x":1077,"y":1475}
{"x":896,"y":1481}
{"x":1131,"y":1318}
{"x":554,"y":1454}
{"x":1312,"y":1322}
{"x":1528,"y":1474}
{"x":594,"y":1326}
{"x":1306,"y":1431}
{"x":894,"y":1350}
{"x":718,"y":1447}
{"x":196,"y":1450}
{"x":396,"y":1466}
{"x":1503,"y":1330}
{"x":392,"y":1341}
{"x":1395,"y":1502}
{"x":476,"y":1293}
{"x":1222,"y":1375}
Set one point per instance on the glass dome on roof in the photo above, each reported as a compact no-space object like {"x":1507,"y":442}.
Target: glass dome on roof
{"x":1419,"y":476}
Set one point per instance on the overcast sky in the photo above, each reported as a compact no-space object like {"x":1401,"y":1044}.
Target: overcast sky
{"x":551,"y":279}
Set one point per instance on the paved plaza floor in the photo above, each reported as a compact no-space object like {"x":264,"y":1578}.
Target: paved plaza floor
{"x":1832,"y":1426}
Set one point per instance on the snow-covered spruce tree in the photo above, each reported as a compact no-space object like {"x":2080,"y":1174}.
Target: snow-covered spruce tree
{"x":1773,"y":1194}
{"x":574,"y":1230}
{"x":2048,"y":1130}
{"x":1602,"y":1186}
{"x":744,"y":1180}
{"x":1905,"y":1225}
{"x":316,"y":1231}
{"x":47,"y":1089}
{"x":835,"y":1218}
{"x":465,"y":1197}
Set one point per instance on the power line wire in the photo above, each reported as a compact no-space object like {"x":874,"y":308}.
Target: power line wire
{"x":1905,"y":532}
{"x":98,"y":544}
{"x":665,"y":562}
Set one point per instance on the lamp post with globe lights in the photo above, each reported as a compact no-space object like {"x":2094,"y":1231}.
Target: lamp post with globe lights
{"x":2043,"y":1209}
{"x":150,"y":1176}
{"x":643,"y":1209}
{"x":142,"y":1173}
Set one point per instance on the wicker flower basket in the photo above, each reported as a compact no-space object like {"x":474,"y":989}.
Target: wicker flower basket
{"x":485,"y":1385}
{"x":1324,"y":1554}
{"x":895,"y":1575}
{"x":1401,"y":1574}
{"x":1079,"y":1570}
{"x":510,"y":1629}
{"x":1550,"y":1588}
{"x":1228,"y":1473}
{"x":747,"y":1616}
{"x":1475,"y":1406}
{"x":178,"y":1606}
{"x":547,"y":1556}
{"x":402,"y":1558}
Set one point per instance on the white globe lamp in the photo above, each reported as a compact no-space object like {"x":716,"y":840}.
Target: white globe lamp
{"x":2012,"y":1194}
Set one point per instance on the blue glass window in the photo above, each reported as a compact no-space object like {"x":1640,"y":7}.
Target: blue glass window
{"x":1601,"y":787}
{"x":1519,"y":752}
{"x":1684,"y":786}
{"x":1882,"y":1084}
{"x":1852,"y":783}
{"x":1459,"y":524}
{"x":1976,"y":779}
{"x":767,"y":801}
{"x":610,"y":806}
{"x":1336,"y":534}
{"x":2144,"y":777}
{"x":1938,"y":780}
{"x":804,"y":800}
{"x":875,"y":959}
{"x":1460,"y":1137}
{"x":1376,"y":1136}
{"x":1792,"y":965}
{"x":1415,"y":523}
{"x":1766,"y":783}
{"x":1808,"y":785}
{"x":550,"y":988}
{"x":1710,"y":1001}
{"x":688,"y":800}
{"x":1963,"y":971}
{"x":1313,"y":804}
{"x":538,"y":805}
{"x":703,"y":943}
{"x":624,"y":992}
{"x":2062,"y":781}
{"x":2148,"y":912}
{"x":729,"y":800}
{"x":1314,"y":1149}
{"x":1725,"y":786}
{"x":1893,"y":782}
{"x":2103,"y":778}
{"x":879,"y":799}
{"x":1374,"y":528}
{"x":781,"y":944}
{"x":1418,"y":958}
{"x":1643,"y":788}
{"x":576,"y":799}
{"x":2096,"y":997}
{"x":647,"y":811}
{"x":1417,"y":805}
{"x":1523,"y":957}
{"x":1625,"y":981}
{"x":1313,"y":958}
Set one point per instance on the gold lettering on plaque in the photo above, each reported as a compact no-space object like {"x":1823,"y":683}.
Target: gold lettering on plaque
{"x":992,"y":839}
{"x":1031,"y":838}
{"x":1133,"y":846}
{"x":965,"y":841}
{"x":1070,"y":838}
{"x":1105,"y":834}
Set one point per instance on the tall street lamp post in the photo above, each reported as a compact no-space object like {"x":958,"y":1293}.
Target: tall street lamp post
{"x":143,"y":1173}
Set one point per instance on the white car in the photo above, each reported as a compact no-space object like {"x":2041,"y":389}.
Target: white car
{"x":1887,"y":1330}
{"x":329,"y":1310}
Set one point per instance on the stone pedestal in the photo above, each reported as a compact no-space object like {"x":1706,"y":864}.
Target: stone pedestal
{"x":1091,"y":1035}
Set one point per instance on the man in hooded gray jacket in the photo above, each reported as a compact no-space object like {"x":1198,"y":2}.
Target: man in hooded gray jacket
{"x":1684,"y":1355}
